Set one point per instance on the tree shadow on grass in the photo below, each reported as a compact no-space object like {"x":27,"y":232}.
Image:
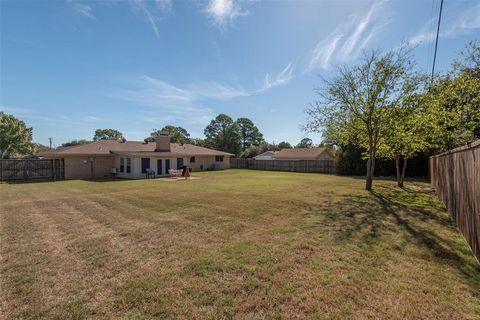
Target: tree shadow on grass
{"x":442,"y":248}
{"x":418,"y":218}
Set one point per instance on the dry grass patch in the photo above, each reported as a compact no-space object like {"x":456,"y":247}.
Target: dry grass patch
{"x":233,"y":244}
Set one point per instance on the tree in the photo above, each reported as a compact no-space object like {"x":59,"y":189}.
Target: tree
{"x":75,"y":143}
{"x":254,"y":151}
{"x":199,"y":142}
{"x":407,"y":135}
{"x":176,"y":134}
{"x":305,"y":143}
{"x":40,"y":148}
{"x":249,"y":133}
{"x":454,"y":103}
{"x":107,"y":134}
{"x":15,"y":137}
{"x":469,"y":61}
{"x":284,"y":145}
{"x":353,"y":106}
{"x":223,"y":134}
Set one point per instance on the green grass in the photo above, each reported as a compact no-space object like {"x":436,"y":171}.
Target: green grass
{"x":234,"y":244}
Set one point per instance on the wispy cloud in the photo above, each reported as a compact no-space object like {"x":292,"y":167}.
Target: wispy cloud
{"x":453,"y":24}
{"x":84,"y":9}
{"x":280,"y":79}
{"x":224,"y":12}
{"x":163,"y":92}
{"x":348,"y":39}
{"x":164,"y":102}
{"x":142,"y":7}
{"x":186,"y":104}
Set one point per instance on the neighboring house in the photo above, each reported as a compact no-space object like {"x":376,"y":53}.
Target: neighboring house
{"x":131,"y":159}
{"x":268,"y":155}
{"x":304,"y":154}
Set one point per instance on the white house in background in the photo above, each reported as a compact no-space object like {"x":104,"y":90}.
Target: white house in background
{"x":268,"y":155}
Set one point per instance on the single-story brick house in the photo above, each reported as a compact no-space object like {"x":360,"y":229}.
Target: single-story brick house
{"x":132,"y":159}
{"x":304,"y":154}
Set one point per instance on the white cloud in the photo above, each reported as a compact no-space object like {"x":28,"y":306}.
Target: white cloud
{"x":141,"y":6}
{"x":84,"y":9}
{"x":452,"y":25}
{"x":282,"y":78}
{"x":223,"y":12}
{"x":217,"y":91}
{"x":322,"y":54}
{"x":162,"y":92}
{"x":186,"y":104}
{"x":348,"y":39}
{"x":154,"y":92}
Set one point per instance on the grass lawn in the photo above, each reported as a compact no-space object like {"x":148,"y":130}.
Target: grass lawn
{"x":233,"y":244}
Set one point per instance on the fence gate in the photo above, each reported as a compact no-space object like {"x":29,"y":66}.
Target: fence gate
{"x":31,"y":169}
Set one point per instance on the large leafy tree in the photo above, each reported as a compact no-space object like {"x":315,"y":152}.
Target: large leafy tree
{"x":305,"y":143}
{"x":40,"y":148}
{"x":284,"y":145}
{"x":107,"y":134}
{"x":15,"y":137}
{"x":353,"y":106}
{"x":249,"y":133}
{"x":223,"y":134}
{"x":454,"y":103}
{"x":176,"y":134}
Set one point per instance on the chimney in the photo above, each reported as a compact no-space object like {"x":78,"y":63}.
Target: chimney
{"x":163,"y":143}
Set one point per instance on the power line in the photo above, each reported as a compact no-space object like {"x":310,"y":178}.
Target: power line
{"x":436,"y":40}
{"x":431,"y":30}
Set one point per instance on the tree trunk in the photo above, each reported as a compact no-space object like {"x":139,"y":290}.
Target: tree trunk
{"x":397,"y":166}
{"x":368,"y":181}
{"x":370,"y":172}
{"x":402,"y":178}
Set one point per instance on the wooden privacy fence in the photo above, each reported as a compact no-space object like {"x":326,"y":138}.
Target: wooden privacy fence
{"x":31,"y":169}
{"x":319,"y":166}
{"x":455,"y":176}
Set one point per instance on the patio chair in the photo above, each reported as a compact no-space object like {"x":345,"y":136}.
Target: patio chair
{"x":150,"y":174}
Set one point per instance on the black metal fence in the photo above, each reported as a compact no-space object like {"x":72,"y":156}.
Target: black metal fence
{"x":319,"y":166}
{"x":31,"y":169}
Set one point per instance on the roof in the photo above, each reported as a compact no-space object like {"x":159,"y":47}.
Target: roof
{"x":301,"y":153}
{"x":266,"y":153}
{"x":105,"y":147}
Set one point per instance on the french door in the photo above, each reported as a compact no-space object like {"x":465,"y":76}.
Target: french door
{"x":159,"y":167}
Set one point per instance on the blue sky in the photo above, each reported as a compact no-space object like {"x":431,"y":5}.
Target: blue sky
{"x":68,"y":68}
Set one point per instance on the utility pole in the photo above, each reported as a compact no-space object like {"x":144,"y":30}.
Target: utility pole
{"x":50,"y":139}
{"x":436,"y":40}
